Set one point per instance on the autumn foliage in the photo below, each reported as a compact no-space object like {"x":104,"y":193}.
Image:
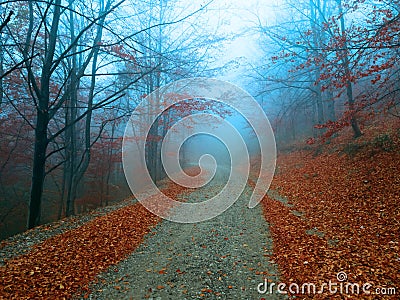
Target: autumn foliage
{"x":67,"y":263}
{"x":342,"y":214}
{"x":344,"y":60}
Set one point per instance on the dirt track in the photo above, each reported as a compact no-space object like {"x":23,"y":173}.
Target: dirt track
{"x":223,"y":258}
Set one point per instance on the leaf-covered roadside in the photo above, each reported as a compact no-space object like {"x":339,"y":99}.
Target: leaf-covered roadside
{"x":349,"y":219}
{"x":65,"y":264}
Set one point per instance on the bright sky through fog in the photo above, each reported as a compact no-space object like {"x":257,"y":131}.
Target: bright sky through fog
{"x":240,"y":18}
{"x":235,"y":19}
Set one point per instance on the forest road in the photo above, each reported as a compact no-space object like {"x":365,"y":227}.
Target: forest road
{"x":226,"y":257}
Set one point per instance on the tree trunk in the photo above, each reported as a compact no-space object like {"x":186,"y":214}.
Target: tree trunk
{"x":346,"y":66}
{"x":71,"y":133}
{"x":110,"y":162}
{"x":42,"y":122}
{"x":317,"y":43}
{"x":330,"y":106}
{"x":38,"y":172}
{"x":353,"y":120}
{"x":1,"y":68}
{"x":78,"y":170}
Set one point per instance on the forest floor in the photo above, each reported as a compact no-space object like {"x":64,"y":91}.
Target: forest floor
{"x":129,"y":253}
{"x":226,"y":257}
{"x":332,"y":216}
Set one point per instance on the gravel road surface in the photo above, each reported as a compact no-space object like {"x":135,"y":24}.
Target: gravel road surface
{"x":226,"y":257}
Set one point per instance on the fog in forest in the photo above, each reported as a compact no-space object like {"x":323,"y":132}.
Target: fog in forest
{"x":73,"y":72}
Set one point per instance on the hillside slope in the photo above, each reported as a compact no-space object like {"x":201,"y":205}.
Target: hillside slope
{"x":339,"y":211}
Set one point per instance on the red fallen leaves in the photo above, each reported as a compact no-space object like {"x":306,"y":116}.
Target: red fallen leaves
{"x":160,"y":206}
{"x":354,"y":202}
{"x":63,"y":265}
{"x":180,"y":272}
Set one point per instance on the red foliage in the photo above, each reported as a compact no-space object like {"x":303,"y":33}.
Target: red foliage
{"x":368,"y":50}
{"x":66,"y":264}
{"x":347,"y":220}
